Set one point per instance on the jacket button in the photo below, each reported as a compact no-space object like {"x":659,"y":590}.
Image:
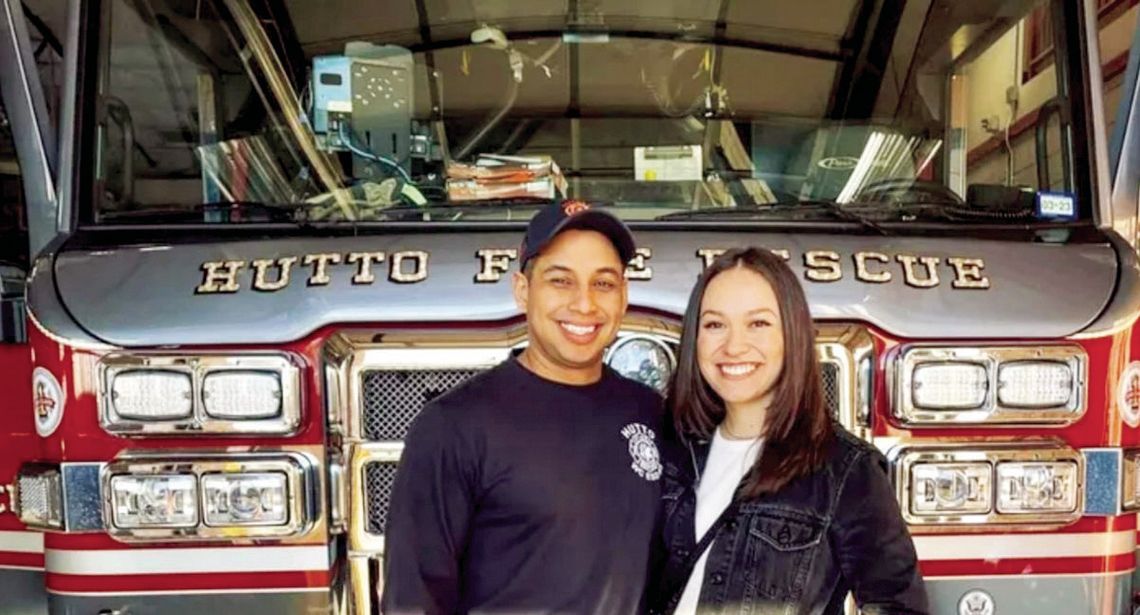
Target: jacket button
{"x":730,"y":526}
{"x":682,"y":553}
{"x":717,"y":578}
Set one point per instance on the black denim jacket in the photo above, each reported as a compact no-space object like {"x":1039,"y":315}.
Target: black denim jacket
{"x":799,"y":550}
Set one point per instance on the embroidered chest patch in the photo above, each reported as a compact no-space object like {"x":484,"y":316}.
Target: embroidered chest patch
{"x":643,"y":449}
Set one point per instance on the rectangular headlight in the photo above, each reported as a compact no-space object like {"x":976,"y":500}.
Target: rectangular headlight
{"x":152,"y":395}
{"x":215,"y":495}
{"x":950,"y":386}
{"x":246,"y":499}
{"x":1035,"y":384}
{"x":951,"y":488}
{"x":1032,"y":484}
{"x":154,"y":501}
{"x":38,"y":499}
{"x":242,"y":394}
{"x":145,"y":394}
{"x":974,"y":385}
{"x":1035,"y":487}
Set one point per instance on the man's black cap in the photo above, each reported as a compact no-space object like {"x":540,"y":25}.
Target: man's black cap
{"x":572,"y":214}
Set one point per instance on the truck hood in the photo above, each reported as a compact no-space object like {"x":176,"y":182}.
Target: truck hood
{"x":174,"y":294}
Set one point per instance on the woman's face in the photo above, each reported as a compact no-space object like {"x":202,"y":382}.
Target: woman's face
{"x":740,"y":342}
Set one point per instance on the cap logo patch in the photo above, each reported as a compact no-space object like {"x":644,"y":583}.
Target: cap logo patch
{"x":574,"y":207}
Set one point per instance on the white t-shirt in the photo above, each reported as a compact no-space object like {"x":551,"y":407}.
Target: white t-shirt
{"x":728,"y":462}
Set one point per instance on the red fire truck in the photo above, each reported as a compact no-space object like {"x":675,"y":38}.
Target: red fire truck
{"x":253,"y":237}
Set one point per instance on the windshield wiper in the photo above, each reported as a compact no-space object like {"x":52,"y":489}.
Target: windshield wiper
{"x":802,"y":205}
{"x":217,"y":212}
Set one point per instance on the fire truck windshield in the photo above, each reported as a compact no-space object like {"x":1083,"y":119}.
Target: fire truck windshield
{"x":244,"y":111}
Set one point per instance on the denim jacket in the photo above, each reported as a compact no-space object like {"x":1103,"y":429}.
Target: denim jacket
{"x":799,"y":550}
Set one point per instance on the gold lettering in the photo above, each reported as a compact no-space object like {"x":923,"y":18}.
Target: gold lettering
{"x":493,"y":263}
{"x":864,"y":274}
{"x":637,"y":269}
{"x":822,"y":266}
{"x":930,"y":280}
{"x":219,"y":277}
{"x":784,"y":254}
{"x":261,"y":266}
{"x":320,"y":264}
{"x":708,"y":255}
{"x":419,"y":272}
{"x":363,"y":261}
{"x":968,"y":273}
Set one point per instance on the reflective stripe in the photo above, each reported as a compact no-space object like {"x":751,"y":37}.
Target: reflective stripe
{"x":1013,"y":546}
{"x":191,"y":560}
{"x":21,"y":542}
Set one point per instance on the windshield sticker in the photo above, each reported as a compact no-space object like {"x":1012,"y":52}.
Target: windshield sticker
{"x":1056,"y":206}
{"x":668,"y":163}
{"x":268,"y":275}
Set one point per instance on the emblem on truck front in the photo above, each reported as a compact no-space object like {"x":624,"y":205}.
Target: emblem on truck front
{"x":47,"y":401}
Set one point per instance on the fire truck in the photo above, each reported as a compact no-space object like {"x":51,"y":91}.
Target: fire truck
{"x":253,"y":237}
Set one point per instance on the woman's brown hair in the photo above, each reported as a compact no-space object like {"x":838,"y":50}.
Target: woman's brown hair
{"x":798,"y":426}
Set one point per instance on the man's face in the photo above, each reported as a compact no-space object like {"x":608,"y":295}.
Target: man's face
{"x":574,"y":300}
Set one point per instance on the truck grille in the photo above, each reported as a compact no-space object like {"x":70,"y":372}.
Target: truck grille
{"x":392,"y":399}
{"x":378,"y":479}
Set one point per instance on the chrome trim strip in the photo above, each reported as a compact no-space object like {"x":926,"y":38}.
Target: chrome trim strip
{"x":1130,"y":494}
{"x":851,"y":348}
{"x":905,"y":456}
{"x":302,"y":479}
{"x":198,"y":367}
{"x":991,"y":410}
{"x":359,"y":538}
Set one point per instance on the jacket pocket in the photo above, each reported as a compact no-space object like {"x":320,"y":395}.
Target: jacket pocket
{"x":781,"y":545}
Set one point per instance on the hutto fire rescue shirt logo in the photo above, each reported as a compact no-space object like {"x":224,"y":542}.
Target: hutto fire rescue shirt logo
{"x":1128,"y":394}
{"x":269,"y":275}
{"x":47,"y":401}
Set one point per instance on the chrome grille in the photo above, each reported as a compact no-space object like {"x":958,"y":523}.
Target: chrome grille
{"x":378,"y":479}
{"x":392,"y":399}
{"x":830,"y":375}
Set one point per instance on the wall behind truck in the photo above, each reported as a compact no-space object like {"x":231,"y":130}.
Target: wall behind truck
{"x":1003,"y":65}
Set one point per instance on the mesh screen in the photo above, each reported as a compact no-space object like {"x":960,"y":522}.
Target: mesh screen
{"x":393,"y":398}
{"x":378,"y":479}
{"x":831,"y":392}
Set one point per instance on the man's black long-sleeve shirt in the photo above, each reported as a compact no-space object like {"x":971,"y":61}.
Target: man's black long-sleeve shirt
{"x":516,"y":494}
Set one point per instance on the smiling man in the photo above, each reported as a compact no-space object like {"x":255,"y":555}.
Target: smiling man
{"x":533,"y":487}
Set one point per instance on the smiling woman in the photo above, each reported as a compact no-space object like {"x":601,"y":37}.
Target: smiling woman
{"x":766,"y":500}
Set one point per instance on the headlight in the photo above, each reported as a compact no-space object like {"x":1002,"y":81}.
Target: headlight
{"x":241,"y":394}
{"x":187,"y":395}
{"x":966,"y":483}
{"x":148,"y":395}
{"x":952,"y":488}
{"x":159,"y":501}
{"x":209,"y":496}
{"x":1035,"y":487}
{"x":949,"y":386}
{"x":1008,"y":384}
{"x":246,"y":499}
{"x":644,"y":359}
{"x":1035,"y":384}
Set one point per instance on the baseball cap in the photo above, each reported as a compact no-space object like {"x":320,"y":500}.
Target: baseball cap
{"x":573,"y":214}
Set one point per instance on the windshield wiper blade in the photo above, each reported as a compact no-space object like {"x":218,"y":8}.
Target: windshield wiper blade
{"x":219,"y":212}
{"x":835,"y":209}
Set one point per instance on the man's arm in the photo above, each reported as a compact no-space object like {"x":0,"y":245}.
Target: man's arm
{"x":428,"y":518}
